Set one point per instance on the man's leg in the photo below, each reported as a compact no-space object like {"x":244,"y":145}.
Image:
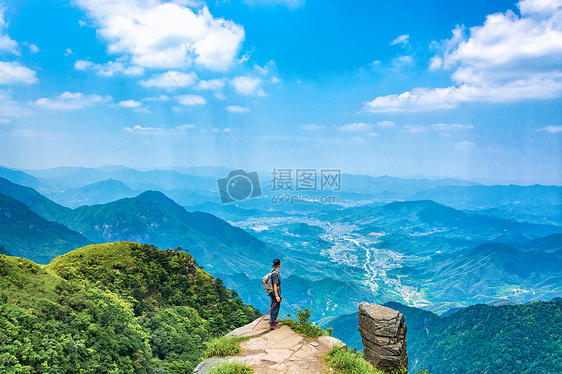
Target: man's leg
{"x":274,"y":310}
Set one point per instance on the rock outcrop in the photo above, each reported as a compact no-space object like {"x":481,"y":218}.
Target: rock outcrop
{"x":383,"y":332}
{"x":279,"y":351}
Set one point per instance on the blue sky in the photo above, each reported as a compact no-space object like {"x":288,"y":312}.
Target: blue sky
{"x":472,"y":89}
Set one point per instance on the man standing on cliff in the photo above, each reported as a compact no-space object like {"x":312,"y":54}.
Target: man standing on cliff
{"x":275,"y":295}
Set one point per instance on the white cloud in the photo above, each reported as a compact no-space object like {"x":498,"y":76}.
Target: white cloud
{"x":312,"y":126}
{"x":189,"y":100}
{"x":402,"y":39}
{"x":227,"y":129}
{"x":385,"y":124}
{"x":450,"y":126}
{"x":71,"y":101}
{"x":158,"y":98}
{"x":5,"y":121}
{"x":68,"y":52}
{"x":10,"y":107}
{"x":13,"y":72}
{"x":414,"y":129}
{"x":109,"y":68}
{"x":6,"y":43}
{"x":508,"y":58}
{"x":366,"y":127}
{"x":436,"y":63}
{"x":464,"y":145}
{"x":155,"y":34}
{"x":130,"y":104}
{"x":171,"y":79}
{"x":237,"y":109}
{"x":551,"y":129}
{"x":32,"y":47}
{"x":356,"y":127}
{"x":211,"y":84}
{"x":137,"y":129}
{"x":247,"y":85}
{"x":185,"y":126}
{"x":402,"y":60}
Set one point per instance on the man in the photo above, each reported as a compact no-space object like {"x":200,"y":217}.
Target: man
{"x":275,"y":295}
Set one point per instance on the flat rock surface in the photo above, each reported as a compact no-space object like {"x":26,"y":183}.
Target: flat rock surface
{"x":277,"y":351}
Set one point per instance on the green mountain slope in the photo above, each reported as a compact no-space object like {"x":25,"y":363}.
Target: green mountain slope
{"x":154,"y":218}
{"x":489,"y":271}
{"x":536,"y":204}
{"x":478,"y":339}
{"x":425,"y":227}
{"x":549,"y":243}
{"x":24,"y":233}
{"x":38,"y":203}
{"x":111,"y":308}
{"x":96,"y":193}
{"x":3,"y":251}
{"x":21,"y":178}
{"x":74,"y":177}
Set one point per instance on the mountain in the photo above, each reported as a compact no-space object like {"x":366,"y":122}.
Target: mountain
{"x":489,"y":271}
{"x":426,"y":227}
{"x":233,"y":212}
{"x":485,"y":197}
{"x":116,"y":307}
{"x":21,"y":178}
{"x":152,"y":217}
{"x":38,"y":203}
{"x":24,"y":233}
{"x":548,"y":244}
{"x":505,"y":339}
{"x":394,"y":188}
{"x":95,"y":193}
{"x":74,"y":177}
{"x":3,"y":251}
{"x":535,"y":204}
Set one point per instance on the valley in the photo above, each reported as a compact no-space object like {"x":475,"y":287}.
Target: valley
{"x":377,"y":245}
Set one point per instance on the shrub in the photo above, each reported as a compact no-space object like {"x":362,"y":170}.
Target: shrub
{"x":223,"y":346}
{"x":350,"y":362}
{"x":231,"y":368}
{"x":347,"y":361}
{"x":303,"y":326}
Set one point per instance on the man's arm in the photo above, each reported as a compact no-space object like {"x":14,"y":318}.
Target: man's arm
{"x":276,"y":293}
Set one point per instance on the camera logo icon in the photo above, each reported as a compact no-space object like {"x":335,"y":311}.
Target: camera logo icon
{"x":239,"y":185}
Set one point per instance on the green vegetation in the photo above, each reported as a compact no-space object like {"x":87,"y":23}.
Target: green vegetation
{"x":231,"y":368}
{"x":112,"y":308}
{"x":523,"y":339}
{"x":304,"y":326}
{"x":24,"y":233}
{"x":223,"y":346}
{"x":345,"y":361}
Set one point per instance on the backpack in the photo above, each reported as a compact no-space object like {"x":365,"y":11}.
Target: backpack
{"x":266,"y":283}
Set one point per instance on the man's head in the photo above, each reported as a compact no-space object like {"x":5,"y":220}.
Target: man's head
{"x":276,"y":263}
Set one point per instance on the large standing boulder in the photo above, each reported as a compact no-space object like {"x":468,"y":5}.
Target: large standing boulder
{"x":383,"y":331}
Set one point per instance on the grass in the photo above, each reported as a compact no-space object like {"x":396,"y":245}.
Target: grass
{"x":22,"y":282}
{"x":345,"y":361}
{"x":223,"y":346}
{"x":231,"y":368}
{"x":302,"y":325}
